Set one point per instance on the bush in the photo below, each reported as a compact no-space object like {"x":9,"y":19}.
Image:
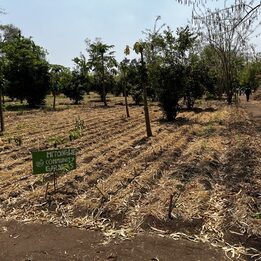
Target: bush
{"x":136,"y":94}
{"x":170,"y":90}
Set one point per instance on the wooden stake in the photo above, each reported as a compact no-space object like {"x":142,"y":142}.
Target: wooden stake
{"x":170,"y":206}
{"x":54,"y":181}
{"x":100,"y":191}
{"x":46,"y":191}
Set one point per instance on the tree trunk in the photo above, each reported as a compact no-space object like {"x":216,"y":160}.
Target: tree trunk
{"x":146,"y":112}
{"x":2,"y":129}
{"x":103,"y":85}
{"x":126,"y":102}
{"x":126,"y":99}
{"x":229,"y":97}
{"x":54,"y":101}
{"x":145,"y":100}
{"x":104,"y":94}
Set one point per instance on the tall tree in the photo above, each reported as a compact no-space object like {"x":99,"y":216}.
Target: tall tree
{"x":167,"y":57}
{"x":102,"y":62}
{"x":139,"y":49}
{"x":227,"y":31}
{"x":123,"y":68}
{"x":7,"y":33}
{"x":26,"y":70}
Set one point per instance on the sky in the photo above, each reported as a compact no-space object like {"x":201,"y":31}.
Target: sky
{"x":61,"y":26}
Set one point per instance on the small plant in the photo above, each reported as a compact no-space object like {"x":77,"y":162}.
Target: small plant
{"x":39,"y":179}
{"x":257,"y":215}
{"x":74,"y":134}
{"x":55,"y":141}
{"x":79,"y":124}
{"x":78,"y":129}
{"x":17,"y":140}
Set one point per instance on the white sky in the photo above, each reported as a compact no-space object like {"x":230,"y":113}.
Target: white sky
{"x":61,"y":26}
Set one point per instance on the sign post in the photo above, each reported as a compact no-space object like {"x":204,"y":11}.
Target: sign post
{"x":53,"y":161}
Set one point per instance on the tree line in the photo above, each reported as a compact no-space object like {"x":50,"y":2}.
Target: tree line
{"x":171,"y":68}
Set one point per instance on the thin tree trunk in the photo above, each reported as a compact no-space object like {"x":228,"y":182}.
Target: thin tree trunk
{"x":145,"y":101}
{"x":126,"y":102}
{"x":2,"y":129}
{"x":104,"y":94}
{"x":146,"y":112}
{"x":103,"y":85}
{"x":54,"y":101}
{"x":126,"y":99}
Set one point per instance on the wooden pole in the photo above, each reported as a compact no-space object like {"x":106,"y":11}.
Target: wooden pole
{"x":170,"y":206}
{"x":54,"y":181}
{"x":145,"y":99}
{"x":2,"y":129}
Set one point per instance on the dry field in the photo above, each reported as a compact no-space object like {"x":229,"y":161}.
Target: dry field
{"x":207,"y":162}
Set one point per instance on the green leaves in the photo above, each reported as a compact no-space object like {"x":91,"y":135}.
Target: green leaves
{"x":138,"y":47}
{"x":25,"y":69}
{"x":127,"y":50}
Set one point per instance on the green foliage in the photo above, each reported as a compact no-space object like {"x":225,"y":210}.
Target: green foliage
{"x":74,"y":134}
{"x":248,"y":76}
{"x":55,"y":141}
{"x":79,"y":124}
{"x":26,"y":69}
{"x":103,"y":64}
{"x":136,"y":94}
{"x":196,"y":81}
{"x":16,"y":139}
{"x":227,"y":31}
{"x":77,"y":132}
{"x":57,"y":75}
{"x":170,"y":74}
{"x":75,"y":88}
{"x":170,"y":90}
{"x":133,"y":78}
{"x":76,"y":83}
{"x":257,"y":215}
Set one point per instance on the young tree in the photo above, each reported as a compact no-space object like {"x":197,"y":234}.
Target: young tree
{"x":56,"y":74}
{"x":123,"y":69}
{"x":153,"y":55}
{"x":102,"y":62}
{"x":170,"y":62}
{"x":139,"y":49}
{"x":133,"y":76}
{"x":76,"y":83}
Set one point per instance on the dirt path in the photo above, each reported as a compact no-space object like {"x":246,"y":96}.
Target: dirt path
{"x":24,"y":242}
{"x":254,"y":107}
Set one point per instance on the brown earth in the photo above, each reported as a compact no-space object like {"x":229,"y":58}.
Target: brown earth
{"x":208,"y":162}
{"x":47,"y":242}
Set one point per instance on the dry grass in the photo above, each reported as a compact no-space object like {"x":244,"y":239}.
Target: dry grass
{"x":209,"y":161}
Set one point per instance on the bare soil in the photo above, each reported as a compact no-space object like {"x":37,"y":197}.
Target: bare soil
{"x":208,"y":162}
{"x":48,"y":242}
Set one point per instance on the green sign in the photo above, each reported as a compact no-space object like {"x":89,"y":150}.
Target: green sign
{"x":54,"y":160}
